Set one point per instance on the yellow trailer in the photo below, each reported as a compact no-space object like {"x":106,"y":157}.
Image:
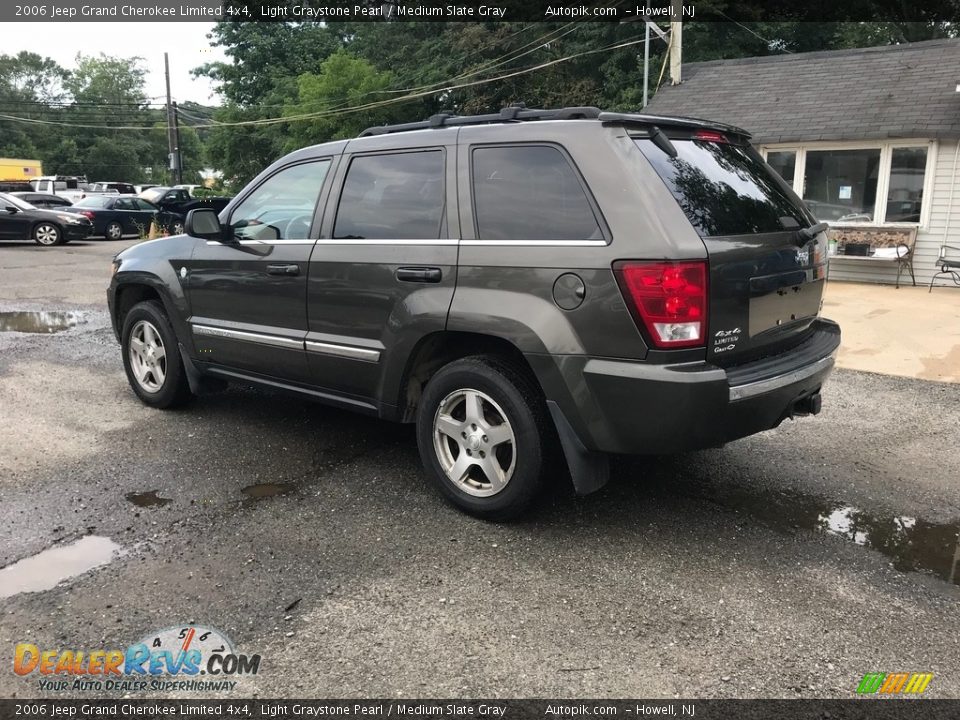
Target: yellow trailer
{"x":13,"y":169}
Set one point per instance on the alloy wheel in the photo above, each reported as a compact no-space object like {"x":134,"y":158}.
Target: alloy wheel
{"x":148,"y":357}
{"x":474,"y":442}
{"x":47,"y":234}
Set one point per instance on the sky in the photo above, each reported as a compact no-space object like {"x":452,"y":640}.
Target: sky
{"x":185,"y":42}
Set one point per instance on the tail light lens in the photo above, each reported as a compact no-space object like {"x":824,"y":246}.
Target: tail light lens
{"x":669,"y":298}
{"x":87,"y":214}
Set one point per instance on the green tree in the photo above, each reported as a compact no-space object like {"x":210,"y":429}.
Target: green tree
{"x":343,"y":84}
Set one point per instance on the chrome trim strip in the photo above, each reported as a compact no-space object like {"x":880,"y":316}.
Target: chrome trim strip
{"x":361,"y":241}
{"x":535,"y":243}
{"x":741,"y":392}
{"x":347,"y":351}
{"x":263,"y":242}
{"x":272,"y":340}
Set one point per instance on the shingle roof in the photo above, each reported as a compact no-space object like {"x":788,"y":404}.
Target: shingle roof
{"x":893,"y":91}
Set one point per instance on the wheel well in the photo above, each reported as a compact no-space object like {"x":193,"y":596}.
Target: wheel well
{"x":442,"y":348}
{"x":130,"y":295}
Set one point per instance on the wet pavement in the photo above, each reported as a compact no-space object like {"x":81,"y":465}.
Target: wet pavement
{"x":38,"y":321}
{"x":784,"y":565}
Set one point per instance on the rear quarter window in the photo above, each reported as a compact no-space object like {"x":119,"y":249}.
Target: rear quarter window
{"x":530,"y":193}
{"x":725,"y":188}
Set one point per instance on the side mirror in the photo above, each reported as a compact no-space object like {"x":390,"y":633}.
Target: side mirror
{"x":204,"y":223}
{"x":12,"y":209}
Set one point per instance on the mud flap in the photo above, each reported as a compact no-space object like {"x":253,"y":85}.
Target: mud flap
{"x":589,"y":471}
{"x":199,"y":383}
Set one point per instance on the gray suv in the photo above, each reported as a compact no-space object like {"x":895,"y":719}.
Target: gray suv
{"x":528,"y":287}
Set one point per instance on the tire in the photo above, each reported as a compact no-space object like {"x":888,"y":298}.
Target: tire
{"x":113,"y":231}
{"x":176,"y":227}
{"x":47,"y":234}
{"x":522,"y":453}
{"x":160,"y":382}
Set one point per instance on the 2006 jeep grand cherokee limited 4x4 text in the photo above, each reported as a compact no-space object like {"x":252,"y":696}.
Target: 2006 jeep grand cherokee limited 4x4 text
{"x":526,"y":286}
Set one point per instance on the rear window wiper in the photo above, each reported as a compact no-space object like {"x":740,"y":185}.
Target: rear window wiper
{"x":809,"y":233}
{"x":659,"y":138}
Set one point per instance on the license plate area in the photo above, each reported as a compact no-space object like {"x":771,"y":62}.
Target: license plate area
{"x":784,"y":306}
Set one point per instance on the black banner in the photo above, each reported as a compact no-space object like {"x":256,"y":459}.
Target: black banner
{"x":855,"y":709}
{"x":661,"y":11}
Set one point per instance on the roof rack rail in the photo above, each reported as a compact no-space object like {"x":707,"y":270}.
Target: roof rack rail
{"x":514,"y":113}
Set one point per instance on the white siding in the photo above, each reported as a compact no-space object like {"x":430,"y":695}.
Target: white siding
{"x":929,"y":238}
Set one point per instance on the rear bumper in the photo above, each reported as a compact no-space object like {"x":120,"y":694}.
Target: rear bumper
{"x":618,"y":406}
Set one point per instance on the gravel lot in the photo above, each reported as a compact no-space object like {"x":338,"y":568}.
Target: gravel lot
{"x":785,"y":565}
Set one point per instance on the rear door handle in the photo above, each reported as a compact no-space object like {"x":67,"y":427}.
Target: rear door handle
{"x":283,"y":269}
{"x":419,"y":274}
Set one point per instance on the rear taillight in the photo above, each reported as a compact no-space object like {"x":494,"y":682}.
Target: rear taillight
{"x":87,"y":214}
{"x":669,"y":298}
{"x":710,"y":136}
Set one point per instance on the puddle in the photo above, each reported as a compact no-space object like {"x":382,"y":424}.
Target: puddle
{"x":148,"y":499}
{"x":49,"y":568}
{"x":38,"y":322}
{"x":263,"y":490}
{"x":911,"y":543}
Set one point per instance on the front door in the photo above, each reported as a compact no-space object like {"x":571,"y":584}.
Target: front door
{"x":248,"y":297}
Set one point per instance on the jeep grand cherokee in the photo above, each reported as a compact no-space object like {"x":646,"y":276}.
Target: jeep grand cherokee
{"x":525,"y":286}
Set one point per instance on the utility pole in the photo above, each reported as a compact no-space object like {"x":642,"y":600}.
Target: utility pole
{"x":177,"y":157}
{"x":676,"y":40}
{"x":646,"y":57}
{"x":171,"y":144}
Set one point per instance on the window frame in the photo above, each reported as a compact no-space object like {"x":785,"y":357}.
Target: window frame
{"x":886,"y":148}
{"x":344,"y":173}
{"x":571,"y":163}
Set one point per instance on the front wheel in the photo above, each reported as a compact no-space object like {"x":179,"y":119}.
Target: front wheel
{"x":483,"y":435}
{"x":47,"y":234}
{"x":151,"y":357}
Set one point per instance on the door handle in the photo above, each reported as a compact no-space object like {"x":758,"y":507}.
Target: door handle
{"x":283,"y":269}
{"x":419,"y":274}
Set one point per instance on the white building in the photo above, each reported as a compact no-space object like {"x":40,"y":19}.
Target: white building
{"x":870,"y":138}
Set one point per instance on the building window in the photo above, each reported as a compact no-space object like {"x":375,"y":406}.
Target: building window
{"x":847,"y":183}
{"x":841,"y":185}
{"x":784,"y":162}
{"x":905,"y":194}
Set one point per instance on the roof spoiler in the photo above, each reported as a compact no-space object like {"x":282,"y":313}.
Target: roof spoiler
{"x":613,"y":118}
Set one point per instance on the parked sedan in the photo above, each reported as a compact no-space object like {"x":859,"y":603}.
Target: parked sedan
{"x":20,"y":220}
{"x":114,"y":216}
{"x":44,"y":201}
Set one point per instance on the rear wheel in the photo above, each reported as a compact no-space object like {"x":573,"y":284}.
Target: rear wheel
{"x":47,"y":234}
{"x":113,"y":231}
{"x":483,"y":436}
{"x":151,"y":357}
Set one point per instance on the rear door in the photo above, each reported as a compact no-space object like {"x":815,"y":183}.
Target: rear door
{"x":765,"y":278}
{"x":382,"y":276}
{"x":248,"y":297}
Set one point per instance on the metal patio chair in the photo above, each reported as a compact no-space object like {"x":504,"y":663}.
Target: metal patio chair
{"x":949,"y":265}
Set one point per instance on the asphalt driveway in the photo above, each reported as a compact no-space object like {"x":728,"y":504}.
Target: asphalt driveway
{"x":785,"y":565}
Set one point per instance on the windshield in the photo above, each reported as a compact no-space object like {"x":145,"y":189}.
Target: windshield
{"x":93,"y":202}
{"x":16,"y":202}
{"x":726,"y":189}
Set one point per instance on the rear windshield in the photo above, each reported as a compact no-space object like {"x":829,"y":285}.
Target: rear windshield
{"x":725,"y":189}
{"x":98,"y":201}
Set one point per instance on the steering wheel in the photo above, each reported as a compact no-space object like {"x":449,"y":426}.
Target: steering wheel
{"x":298,"y":228}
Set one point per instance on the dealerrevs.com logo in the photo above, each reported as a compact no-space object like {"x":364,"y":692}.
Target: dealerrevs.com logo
{"x":191,"y":658}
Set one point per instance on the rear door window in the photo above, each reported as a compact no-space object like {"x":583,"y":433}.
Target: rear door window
{"x":530,"y":192}
{"x":725,"y":188}
{"x":399,"y":196}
